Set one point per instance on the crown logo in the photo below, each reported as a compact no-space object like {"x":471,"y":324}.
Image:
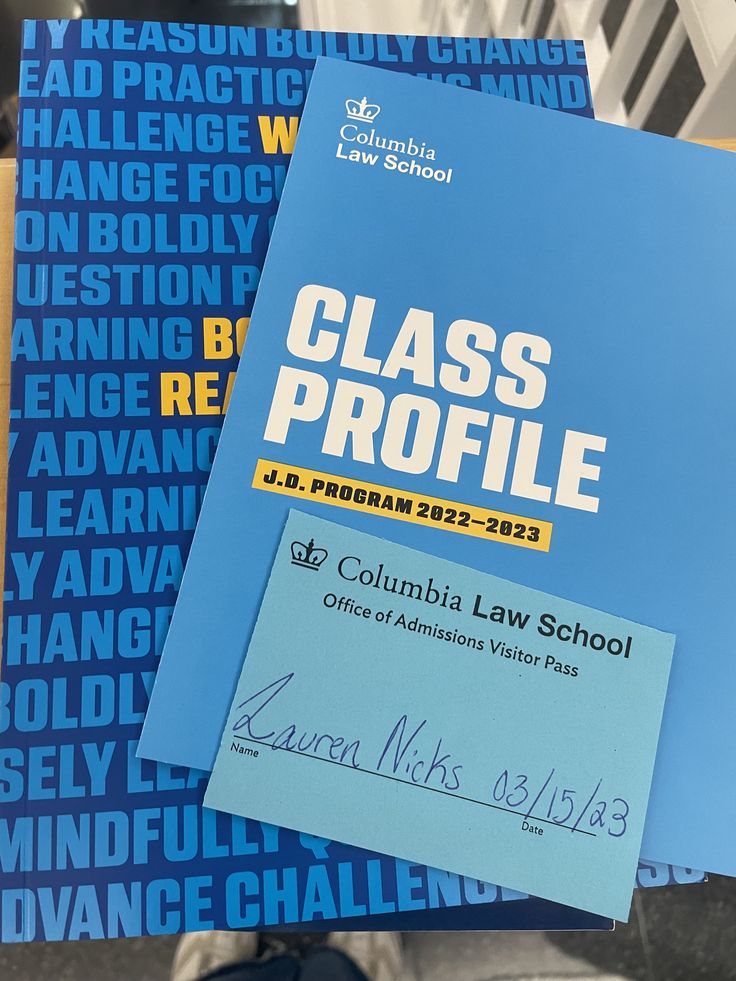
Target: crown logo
{"x":307,"y":556}
{"x":363,"y":111}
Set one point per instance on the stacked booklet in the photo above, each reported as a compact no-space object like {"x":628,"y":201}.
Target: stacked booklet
{"x":448,"y":647}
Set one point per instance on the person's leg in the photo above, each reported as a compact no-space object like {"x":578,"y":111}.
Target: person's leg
{"x":281,"y":968}
{"x":225,"y":956}
{"x":202,"y":953}
{"x":379,"y":955}
{"x":327,"y":964}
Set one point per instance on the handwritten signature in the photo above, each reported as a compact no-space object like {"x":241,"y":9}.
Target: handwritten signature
{"x":411,"y":754}
{"x":409,"y":750}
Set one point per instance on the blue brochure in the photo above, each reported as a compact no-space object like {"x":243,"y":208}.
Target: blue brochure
{"x":151,"y":158}
{"x":406,"y":716}
{"x":504,"y":337}
{"x":525,"y":914}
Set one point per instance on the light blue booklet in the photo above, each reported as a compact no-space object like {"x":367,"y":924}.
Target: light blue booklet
{"x":391,"y":699}
{"x":503,"y":337}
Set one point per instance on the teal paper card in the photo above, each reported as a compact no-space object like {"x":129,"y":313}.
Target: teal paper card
{"x":404,"y":703}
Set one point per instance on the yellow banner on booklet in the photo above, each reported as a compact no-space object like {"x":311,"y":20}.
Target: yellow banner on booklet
{"x":390,"y":502}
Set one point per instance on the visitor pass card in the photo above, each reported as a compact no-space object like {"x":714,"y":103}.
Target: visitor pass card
{"x":407,"y":704}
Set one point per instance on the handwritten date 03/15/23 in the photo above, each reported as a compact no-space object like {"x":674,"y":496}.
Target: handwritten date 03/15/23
{"x":410,"y":753}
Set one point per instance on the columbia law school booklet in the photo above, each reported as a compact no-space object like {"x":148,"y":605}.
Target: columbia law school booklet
{"x":502,"y":336}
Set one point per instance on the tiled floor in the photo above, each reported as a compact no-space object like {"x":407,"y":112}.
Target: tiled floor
{"x":685,"y":933}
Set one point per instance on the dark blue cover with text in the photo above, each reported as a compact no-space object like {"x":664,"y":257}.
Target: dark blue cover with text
{"x":150,"y":163}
